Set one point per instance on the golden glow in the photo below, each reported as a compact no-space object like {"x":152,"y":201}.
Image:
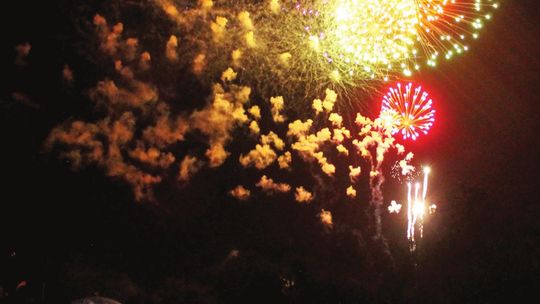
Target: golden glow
{"x":372,"y":31}
{"x":309,"y":45}
{"x":362,"y":39}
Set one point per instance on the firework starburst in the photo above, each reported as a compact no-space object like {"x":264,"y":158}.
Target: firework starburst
{"x":408,"y":111}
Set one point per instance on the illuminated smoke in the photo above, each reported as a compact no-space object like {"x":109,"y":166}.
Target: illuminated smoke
{"x":269,"y":186}
{"x":326,"y":218}
{"x":240,"y":193}
{"x":373,"y":143}
{"x":302,"y":195}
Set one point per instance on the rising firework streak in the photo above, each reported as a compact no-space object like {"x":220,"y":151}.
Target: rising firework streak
{"x":416,"y":206}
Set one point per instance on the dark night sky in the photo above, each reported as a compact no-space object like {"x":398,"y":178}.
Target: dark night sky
{"x":75,"y":233}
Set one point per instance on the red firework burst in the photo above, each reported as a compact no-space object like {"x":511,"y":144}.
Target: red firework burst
{"x":409,"y":110}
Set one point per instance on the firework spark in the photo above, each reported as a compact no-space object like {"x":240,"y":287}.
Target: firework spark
{"x":408,"y":111}
{"x":378,"y":39}
{"x":394,"y":207}
{"x":319,"y":44}
{"x":446,"y":26}
{"x":367,"y":37}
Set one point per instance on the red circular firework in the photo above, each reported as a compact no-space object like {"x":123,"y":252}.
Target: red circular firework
{"x":408,"y":110}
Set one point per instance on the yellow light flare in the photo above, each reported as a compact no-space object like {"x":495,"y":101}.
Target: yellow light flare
{"x":364,"y":39}
{"x":372,"y":31}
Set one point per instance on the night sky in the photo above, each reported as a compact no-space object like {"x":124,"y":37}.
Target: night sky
{"x":68,"y":234}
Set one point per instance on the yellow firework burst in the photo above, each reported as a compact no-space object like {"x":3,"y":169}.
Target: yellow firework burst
{"x":306,"y":46}
{"x":367,"y":38}
{"x":378,"y":38}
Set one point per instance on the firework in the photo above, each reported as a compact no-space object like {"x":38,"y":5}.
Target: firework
{"x":351,"y":41}
{"x":416,"y":206}
{"x":407,"y":111}
{"x":446,"y":26}
{"x":307,"y":46}
{"x":366,"y":39}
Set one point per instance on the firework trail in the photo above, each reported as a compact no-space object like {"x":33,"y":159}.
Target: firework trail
{"x":416,"y":208}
